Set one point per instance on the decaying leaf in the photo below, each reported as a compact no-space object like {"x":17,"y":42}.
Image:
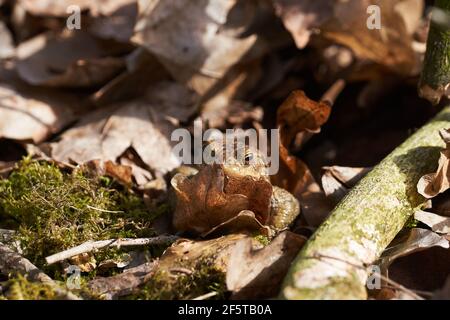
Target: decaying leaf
{"x":301,"y":18}
{"x":299,"y":114}
{"x":198,"y":42}
{"x":346,"y":23}
{"x":437,"y":223}
{"x":144,"y":125}
{"x":430,"y":185}
{"x":206,"y":200}
{"x":7,"y":49}
{"x":31,"y":114}
{"x":72,"y":59}
{"x":416,"y":240}
{"x":337,"y":181}
{"x":253,"y":274}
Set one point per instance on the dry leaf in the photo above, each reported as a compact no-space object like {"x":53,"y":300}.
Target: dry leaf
{"x":299,"y":114}
{"x":301,"y":17}
{"x":345,"y":22}
{"x":337,"y":181}
{"x":430,"y":185}
{"x":417,"y":240}
{"x":116,"y":21}
{"x":436,"y":222}
{"x":7,"y":49}
{"x":198,"y":42}
{"x":33,"y":114}
{"x":256,"y":274}
{"x":106,"y":135}
{"x":72,"y":59}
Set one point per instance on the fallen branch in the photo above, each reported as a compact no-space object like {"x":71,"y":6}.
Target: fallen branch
{"x":90,"y":246}
{"x":435,"y":79}
{"x":124,"y":283}
{"x":365,"y":221}
{"x":13,"y":262}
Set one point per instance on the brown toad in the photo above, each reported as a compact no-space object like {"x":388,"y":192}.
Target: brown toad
{"x":232,"y":195}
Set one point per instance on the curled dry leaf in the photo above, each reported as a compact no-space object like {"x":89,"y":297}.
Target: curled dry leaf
{"x":256,"y":274}
{"x":336,"y":181}
{"x":299,"y":114}
{"x":207,"y":201}
{"x":430,"y":185}
{"x":300,"y":117}
{"x":417,"y":239}
{"x":436,"y":222}
{"x":72,"y":59}
{"x":31,"y":114}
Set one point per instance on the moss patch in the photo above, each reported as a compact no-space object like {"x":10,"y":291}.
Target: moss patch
{"x":53,"y":210}
{"x":205,"y":278}
{"x":21,"y":289}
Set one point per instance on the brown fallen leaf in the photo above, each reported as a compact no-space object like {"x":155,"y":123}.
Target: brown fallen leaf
{"x":437,"y":223}
{"x":300,"y":115}
{"x":337,"y":181}
{"x":115,"y":21}
{"x":144,"y":125}
{"x":200,"y":42}
{"x":7,"y":49}
{"x":256,"y":274}
{"x":34,"y":114}
{"x":70,"y":59}
{"x":416,"y":240}
{"x":430,"y":185}
{"x":345,"y":23}
{"x":297,"y":118}
{"x":301,"y":18}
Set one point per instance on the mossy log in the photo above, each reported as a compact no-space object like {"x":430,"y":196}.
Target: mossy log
{"x":334,"y":262}
{"x":435,"y":79}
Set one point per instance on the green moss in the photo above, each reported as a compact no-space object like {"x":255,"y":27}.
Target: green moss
{"x":205,"y":278}
{"x":264,"y":240}
{"x":53,"y":210}
{"x":21,"y":289}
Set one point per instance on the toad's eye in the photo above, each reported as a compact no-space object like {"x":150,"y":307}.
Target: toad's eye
{"x":248,"y":158}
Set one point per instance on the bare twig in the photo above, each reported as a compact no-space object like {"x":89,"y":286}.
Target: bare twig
{"x":206,"y":296}
{"x":90,"y":246}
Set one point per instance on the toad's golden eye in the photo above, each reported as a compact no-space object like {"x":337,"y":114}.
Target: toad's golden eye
{"x":248,"y":158}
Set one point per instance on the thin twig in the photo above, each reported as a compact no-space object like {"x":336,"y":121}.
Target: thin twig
{"x":207,"y":295}
{"x":103,"y":210}
{"x":90,"y":246}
